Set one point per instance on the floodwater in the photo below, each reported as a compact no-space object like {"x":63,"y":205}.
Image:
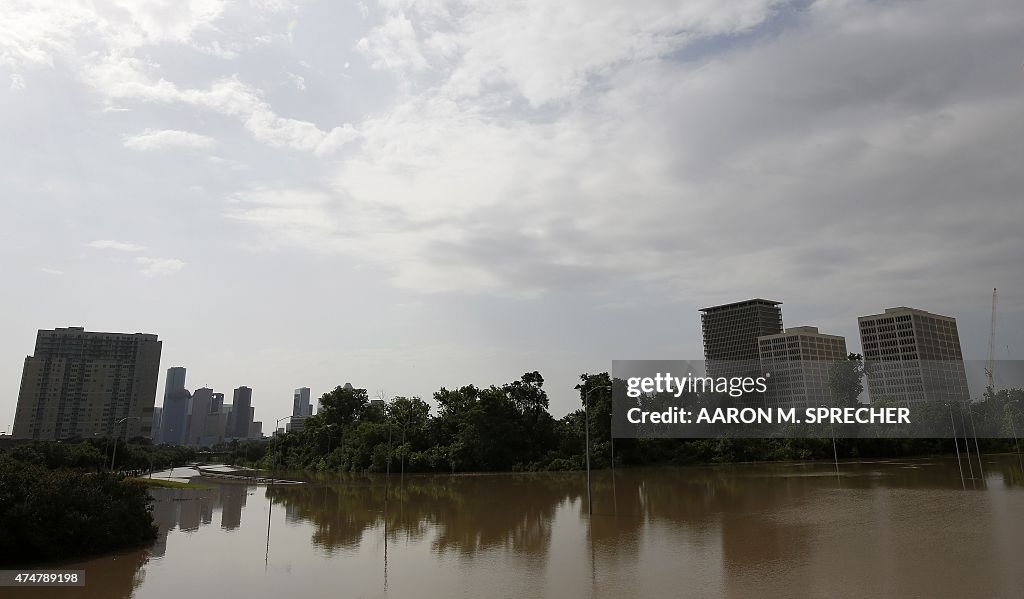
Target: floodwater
{"x":897,"y":528}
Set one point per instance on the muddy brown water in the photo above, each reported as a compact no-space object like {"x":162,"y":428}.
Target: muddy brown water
{"x":896,"y":528}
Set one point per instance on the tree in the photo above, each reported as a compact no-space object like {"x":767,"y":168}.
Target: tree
{"x":845,"y":381}
{"x":344,"y":405}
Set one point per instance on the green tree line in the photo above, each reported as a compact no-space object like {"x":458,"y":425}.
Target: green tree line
{"x":509,"y":428}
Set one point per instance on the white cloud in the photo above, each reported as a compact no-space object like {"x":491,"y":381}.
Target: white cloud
{"x":126,"y":78}
{"x":393,"y":46}
{"x":103,"y":43}
{"x":155,"y":267}
{"x":572,"y":145}
{"x":298,"y":81}
{"x":546,"y":51}
{"x":17,"y":82}
{"x":49,"y":271}
{"x":120,"y":246}
{"x":153,"y":139}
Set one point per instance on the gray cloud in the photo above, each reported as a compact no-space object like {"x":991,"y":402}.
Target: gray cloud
{"x":530,"y":176}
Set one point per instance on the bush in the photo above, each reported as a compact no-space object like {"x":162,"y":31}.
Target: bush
{"x":53,"y":514}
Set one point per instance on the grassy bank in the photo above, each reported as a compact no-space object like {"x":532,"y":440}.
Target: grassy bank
{"x":159,"y":483}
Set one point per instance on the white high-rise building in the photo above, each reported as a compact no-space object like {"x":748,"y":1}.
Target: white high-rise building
{"x":912,"y":355}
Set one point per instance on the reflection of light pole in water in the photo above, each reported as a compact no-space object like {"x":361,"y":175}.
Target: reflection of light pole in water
{"x":832,"y":427}
{"x":387,"y":482}
{"x":117,"y":436}
{"x":967,"y":445}
{"x":270,"y":489}
{"x":981,"y":469}
{"x":956,"y":444}
{"x":1016,"y":442}
{"x":586,"y":418}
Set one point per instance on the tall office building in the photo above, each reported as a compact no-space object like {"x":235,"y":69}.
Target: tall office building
{"x":799,"y":360}
{"x":912,"y":355}
{"x":241,"y":413}
{"x":730,"y":335}
{"x":79,"y":383}
{"x":176,"y":408}
{"x":208,"y":420}
{"x":300,"y":403}
{"x":158,"y":419}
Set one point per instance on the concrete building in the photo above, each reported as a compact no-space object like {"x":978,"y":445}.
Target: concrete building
{"x":174,"y":428}
{"x":158,"y":414}
{"x":296,"y":423}
{"x":208,"y":419}
{"x":300,"y":403}
{"x":912,"y":355}
{"x":79,"y":383}
{"x":241,"y":415}
{"x":799,"y":360}
{"x":731,"y":332}
{"x":256,"y":430}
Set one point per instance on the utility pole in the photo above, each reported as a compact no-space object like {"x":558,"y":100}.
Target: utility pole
{"x":117,"y":436}
{"x":990,"y":371}
{"x":586,"y":418}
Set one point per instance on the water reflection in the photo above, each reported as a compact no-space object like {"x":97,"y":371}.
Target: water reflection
{"x":465,"y":514}
{"x":187,"y":510}
{"x":890,"y":528}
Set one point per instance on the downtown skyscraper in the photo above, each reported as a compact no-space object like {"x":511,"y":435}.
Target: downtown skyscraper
{"x":177,"y":401}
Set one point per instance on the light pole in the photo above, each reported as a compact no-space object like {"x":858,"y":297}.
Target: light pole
{"x":117,"y":435}
{"x":273,"y":461}
{"x":586,"y":418}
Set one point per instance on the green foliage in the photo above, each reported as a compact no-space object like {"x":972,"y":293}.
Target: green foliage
{"x":50,"y":514}
{"x":508,"y":428}
{"x":845,"y":381}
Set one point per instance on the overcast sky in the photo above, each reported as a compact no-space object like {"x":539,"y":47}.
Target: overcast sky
{"x":415,"y":193}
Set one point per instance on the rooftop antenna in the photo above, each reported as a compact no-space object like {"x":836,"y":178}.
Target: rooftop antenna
{"x":990,"y":371}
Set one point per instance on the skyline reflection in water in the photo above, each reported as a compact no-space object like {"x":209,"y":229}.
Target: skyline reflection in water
{"x":885,"y":528}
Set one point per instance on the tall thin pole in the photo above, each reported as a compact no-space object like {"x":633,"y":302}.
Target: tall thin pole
{"x":586,"y":418}
{"x":615,"y":496}
{"x":835,"y":452}
{"x":957,"y":445}
{"x":117,"y":435}
{"x":270,"y":491}
{"x":981,"y":468}
{"x":967,"y":445}
{"x":387,"y":483}
{"x":1016,"y":443}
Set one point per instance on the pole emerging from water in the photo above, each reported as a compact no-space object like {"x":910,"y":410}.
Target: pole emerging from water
{"x":967,"y":445}
{"x":586,"y":418}
{"x":586,"y":426}
{"x":957,"y":445}
{"x":981,"y":468}
{"x":1016,"y":442}
{"x":270,"y":494}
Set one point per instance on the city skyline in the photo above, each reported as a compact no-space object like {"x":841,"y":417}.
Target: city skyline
{"x":404,"y":200}
{"x":756,"y":314}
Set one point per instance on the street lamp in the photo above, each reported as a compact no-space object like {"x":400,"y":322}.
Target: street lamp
{"x":586,"y":418}
{"x":117,"y":436}
{"x":273,"y":462}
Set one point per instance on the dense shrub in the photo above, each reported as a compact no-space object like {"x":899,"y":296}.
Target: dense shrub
{"x":51,"y":514}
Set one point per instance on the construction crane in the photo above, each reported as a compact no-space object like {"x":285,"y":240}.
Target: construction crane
{"x":990,"y":371}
